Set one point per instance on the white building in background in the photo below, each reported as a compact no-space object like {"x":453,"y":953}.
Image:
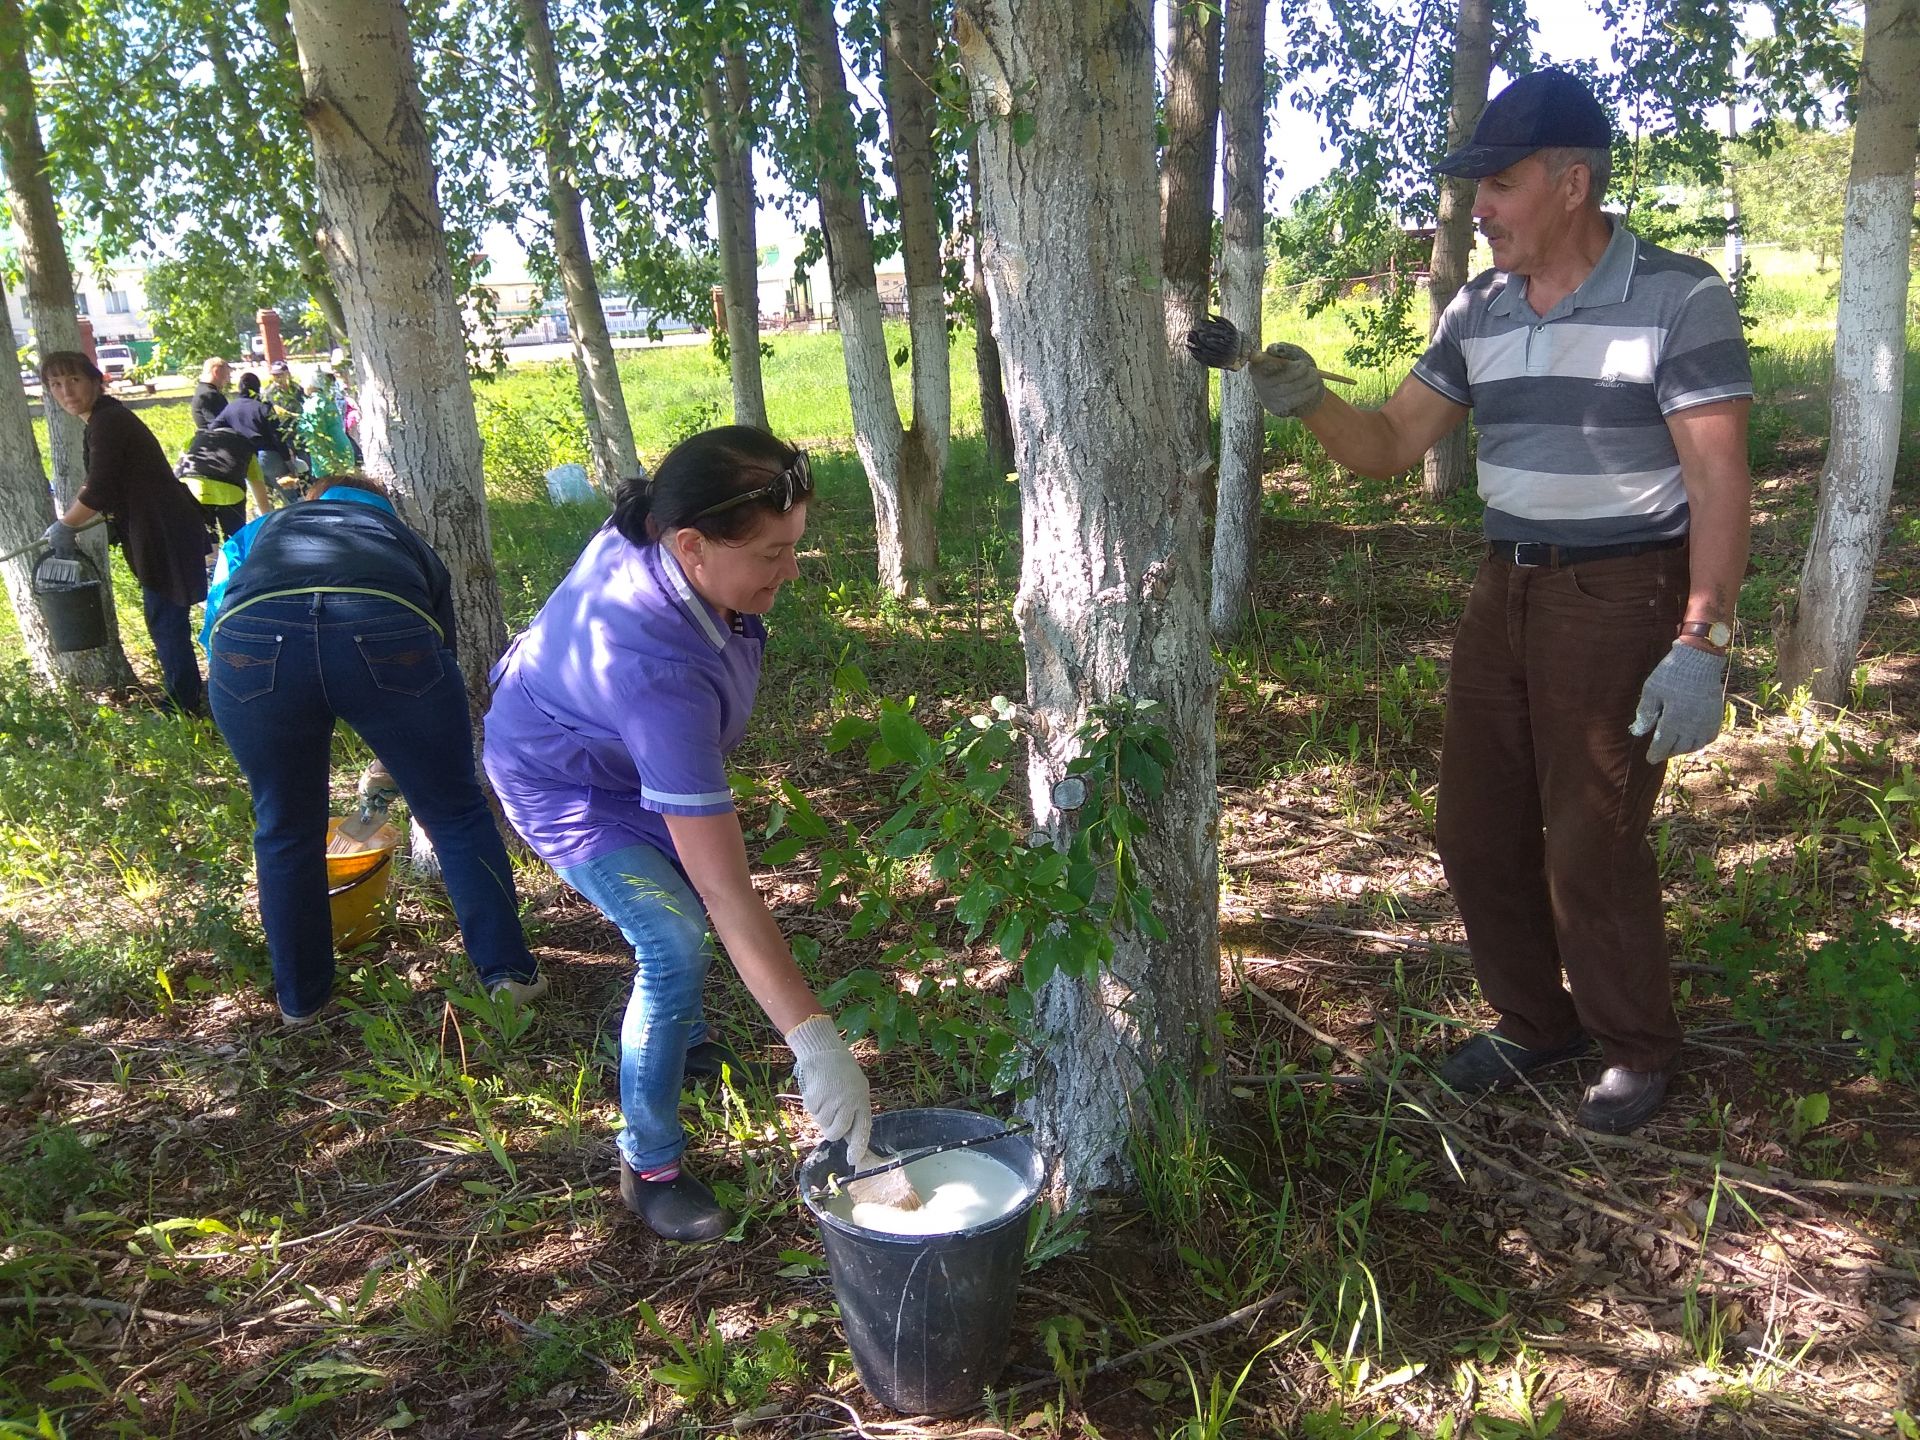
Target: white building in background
{"x":114,"y":300}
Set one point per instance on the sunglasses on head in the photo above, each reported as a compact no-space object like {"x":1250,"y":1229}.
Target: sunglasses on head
{"x":794,"y":483}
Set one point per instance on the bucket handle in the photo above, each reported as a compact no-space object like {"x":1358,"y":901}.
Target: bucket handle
{"x":836,"y":1183}
{"x":91,"y":570}
{"x":359,"y":880}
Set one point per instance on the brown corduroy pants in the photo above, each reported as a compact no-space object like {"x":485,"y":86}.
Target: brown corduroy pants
{"x":1545,"y":799}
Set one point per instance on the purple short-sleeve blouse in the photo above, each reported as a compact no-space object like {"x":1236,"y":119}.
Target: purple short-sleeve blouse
{"x":619,"y":705}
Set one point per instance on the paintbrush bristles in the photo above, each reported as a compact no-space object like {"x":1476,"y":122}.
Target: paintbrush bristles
{"x":893,"y":1189}
{"x":1219,"y":344}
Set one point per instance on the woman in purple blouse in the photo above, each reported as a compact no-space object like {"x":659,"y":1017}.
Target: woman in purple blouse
{"x":612,"y":718}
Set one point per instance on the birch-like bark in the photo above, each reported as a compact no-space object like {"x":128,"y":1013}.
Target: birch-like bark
{"x":291,"y":212}
{"x":50,"y":306}
{"x":725,"y":97}
{"x":1113,"y":588}
{"x":996,"y":426}
{"x":1447,"y":467}
{"x":1243,"y":428}
{"x":24,"y":508}
{"x":1186,"y":207}
{"x":877,"y":432}
{"x":385,"y":244}
{"x":609,"y":430}
{"x":1819,"y":639}
{"x":909,"y":62}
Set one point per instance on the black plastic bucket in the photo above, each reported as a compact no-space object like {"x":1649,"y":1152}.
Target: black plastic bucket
{"x":75,"y":610}
{"x":928,"y":1317}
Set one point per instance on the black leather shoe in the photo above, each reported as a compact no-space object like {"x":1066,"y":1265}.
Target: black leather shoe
{"x":681,"y":1209}
{"x":705,"y":1059}
{"x":1621,"y":1099}
{"x":1493,"y":1062}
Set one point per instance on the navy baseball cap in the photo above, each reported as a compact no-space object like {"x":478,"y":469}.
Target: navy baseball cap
{"x":1539,"y":111}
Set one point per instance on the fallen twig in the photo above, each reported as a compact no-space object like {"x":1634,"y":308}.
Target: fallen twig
{"x":1405,"y":942}
{"x":276,"y":1246}
{"x":106,"y":1307}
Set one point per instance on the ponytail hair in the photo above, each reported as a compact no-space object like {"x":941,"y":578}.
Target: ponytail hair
{"x":699,"y":473}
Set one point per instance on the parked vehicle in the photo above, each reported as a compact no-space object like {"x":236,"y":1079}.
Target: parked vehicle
{"x":115,"y":361}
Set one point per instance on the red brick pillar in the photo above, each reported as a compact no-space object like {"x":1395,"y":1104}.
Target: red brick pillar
{"x":86,"y":340}
{"x":270,"y":333}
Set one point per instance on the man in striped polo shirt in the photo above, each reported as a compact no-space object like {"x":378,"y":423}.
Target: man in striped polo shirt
{"x":1610,"y":386}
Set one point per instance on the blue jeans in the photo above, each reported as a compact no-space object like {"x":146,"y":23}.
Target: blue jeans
{"x":282,"y":671}
{"x":169,"y":626}
{"x":642,"y":892}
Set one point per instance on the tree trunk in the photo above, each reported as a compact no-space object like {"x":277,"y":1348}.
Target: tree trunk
{"x":877,"y":432}
{"x":386,"y":246}
{"x":996,"y":425}
{"x":1820,"y":638}
{"x":1243,"y":425}
{"x":1186,"y":207}
{"x":725,"y":97}
{"x":609,"y":430}
{"x":293,"y":212}
{"x":909,"y":71}
{"x":1113,"y":588}
{"x":24,"y":509}
{"x":56,"y":326}
{"x":1447,"y":467}
{"x":298,"y":227}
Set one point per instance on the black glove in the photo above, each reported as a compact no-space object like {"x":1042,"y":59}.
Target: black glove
{"x":62,"y":539}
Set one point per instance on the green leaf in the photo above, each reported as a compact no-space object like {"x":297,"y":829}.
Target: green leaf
{"x":1024,"y":125}
{"x":904,"y":735}
{"x":782,"y":851}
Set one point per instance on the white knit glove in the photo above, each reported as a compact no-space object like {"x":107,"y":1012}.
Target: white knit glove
{"x":831,"y":1084}
{"x":1286,"y":380}
{"x":1681,"y":702}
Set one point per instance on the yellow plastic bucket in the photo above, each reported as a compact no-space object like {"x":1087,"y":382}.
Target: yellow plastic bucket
{"x":357,"y":886}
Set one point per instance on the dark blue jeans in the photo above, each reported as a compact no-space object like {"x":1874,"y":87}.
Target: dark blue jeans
{"x":282,"y":671}
{"x":170,"y":628}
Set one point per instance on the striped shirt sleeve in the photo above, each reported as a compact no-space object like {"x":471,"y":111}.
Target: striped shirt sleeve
{"x":1704,"y":358}
{"x":671,"y":725}
{"x":1444,"y":366}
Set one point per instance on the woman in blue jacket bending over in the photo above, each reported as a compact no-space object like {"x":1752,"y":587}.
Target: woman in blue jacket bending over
{"x":334,"y":609}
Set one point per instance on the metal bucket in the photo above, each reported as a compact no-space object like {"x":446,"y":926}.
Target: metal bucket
{"x":72,"y":603}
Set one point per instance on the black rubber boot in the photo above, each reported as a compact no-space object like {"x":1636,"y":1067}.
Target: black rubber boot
{"x":1621,"y":1099}
{"x":1493,"y":1062}
{"x":705,"y":1059}
{"x":682,"y":1209}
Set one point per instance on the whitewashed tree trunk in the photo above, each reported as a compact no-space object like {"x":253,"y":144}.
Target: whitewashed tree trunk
{"x":56,"y":326}
{"x":996,"y":426}
{"x":1186,"y":207}
{"x":909,"y":73}
{"x":24,"y":507}
{"x":609,"y":430}
{"x":1447,"y":467}
{"x":249,"y":135}
{"x":1820,"y":639}
{"x":385,"y":243}
{"x":1113,"y":589}
{"x":1243,"y":425}
{"x":725,"y":97}
{"x":877,"y":432}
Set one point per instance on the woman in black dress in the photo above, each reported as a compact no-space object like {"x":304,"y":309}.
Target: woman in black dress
{"x":154,"y":516}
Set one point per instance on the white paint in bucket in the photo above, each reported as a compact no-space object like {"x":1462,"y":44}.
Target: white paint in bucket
{"x":958,"y":1190}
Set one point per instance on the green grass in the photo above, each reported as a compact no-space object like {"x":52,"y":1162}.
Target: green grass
{"x":163,"y":1145}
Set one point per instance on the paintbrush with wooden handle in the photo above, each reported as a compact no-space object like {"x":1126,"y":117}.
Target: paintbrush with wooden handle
{"x":1220,"y":345}
{"x":890,"y":1187}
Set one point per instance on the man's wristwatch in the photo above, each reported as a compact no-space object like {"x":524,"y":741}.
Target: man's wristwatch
{"x":1716,"y":633}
